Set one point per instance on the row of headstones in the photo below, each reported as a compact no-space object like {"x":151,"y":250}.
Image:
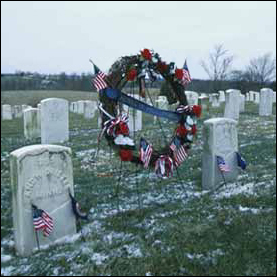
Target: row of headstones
{"x":9,"y":112}
{"x":235,"y":101}
{"x":50,"y":120}
{"x":84,"y":107}
{"x":42,"y":175}
{"x":87,"y":108}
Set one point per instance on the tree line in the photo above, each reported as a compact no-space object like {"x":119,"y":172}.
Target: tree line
{"x":259,"y":73}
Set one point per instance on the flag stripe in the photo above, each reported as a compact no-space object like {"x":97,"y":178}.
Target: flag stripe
{"x":145,"y":152}
{"x":222,"y":165}
{"x":42,"y":221}
{"x":99,"y":81}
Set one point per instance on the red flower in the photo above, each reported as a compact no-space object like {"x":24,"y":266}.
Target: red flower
{"x":146,"y":54}
{"x":131,"y":75}
{"x":122,"y":129}
{"x":179,"y":73}
{"x":181,"y":131}
{"x":126,"y":155}
{"x":197,"y":110}
{"x":194,"y":130}
{"x":162,"y":67}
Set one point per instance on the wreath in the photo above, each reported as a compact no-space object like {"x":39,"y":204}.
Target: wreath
{"x":115,"y":122}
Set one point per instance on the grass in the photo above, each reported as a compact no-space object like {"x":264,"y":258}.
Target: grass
{"x":143,"y":226}
{"x":33,"y":97}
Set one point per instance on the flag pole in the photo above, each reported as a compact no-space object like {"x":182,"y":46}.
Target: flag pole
{"x":37,"y":239}
{"x":222,"y":176}
{"x":36,"y":232}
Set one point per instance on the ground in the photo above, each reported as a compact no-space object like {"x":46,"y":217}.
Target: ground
{"x":140,"y":225}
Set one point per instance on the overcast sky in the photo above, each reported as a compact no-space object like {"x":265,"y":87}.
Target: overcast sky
{"x":56,"y":36}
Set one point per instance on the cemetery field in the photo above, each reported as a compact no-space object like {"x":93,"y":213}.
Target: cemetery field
{"x":33,"y":97}
{"x":140,"y":225}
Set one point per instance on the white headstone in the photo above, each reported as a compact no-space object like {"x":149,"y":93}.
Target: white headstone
{"x":31,"y":123}
{"x":39,"y":106}
{"x":6,"y":112}
{"x":41,"y":175}
{"x":215,"y":100}
{"x":242,"y":103}
{"x":203,"y":101}
{"x":220,"y":139}
{"x":54,"y":120}
{"x":17,"y":111}
{"x":24,"y":107}
{"x":162,"y":103}
{"x":257,"y":97}
{"x":221,"y":96}
{"x":90,"y":107}
{"x":232,"y":104}
{"x":266,"y":99}
{"x":251,"y":95}
{"x":192,"y":97}
{"x":80,"y":106}
{"x":135,"y":117}
{"x":247,"y":96}
{"x":274,"y":96}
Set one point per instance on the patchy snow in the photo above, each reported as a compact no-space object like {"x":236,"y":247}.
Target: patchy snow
{"x":133,"y":250}
{"x":5,"y":258}
{"x":235,"y":189}
{"x":68,"y":239}
{"x":253,"y":210}
{"x":7,"y":271}
{"x":99,"y":258}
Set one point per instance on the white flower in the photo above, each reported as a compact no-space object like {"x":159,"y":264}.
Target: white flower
{"x":121,"y":140}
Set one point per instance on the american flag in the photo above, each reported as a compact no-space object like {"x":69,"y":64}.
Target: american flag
{"x":99,"y":80}
{"x":145,"y":152}
{"x":186,"y":75}
{"x":241,"y":161}
{"x":76,"y":208}
{"x":42,"y":220}
{"x":179,"y":151}
{"x":221,"y":164}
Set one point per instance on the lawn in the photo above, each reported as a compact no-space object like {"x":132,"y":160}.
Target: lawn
{"x":140,"y":225}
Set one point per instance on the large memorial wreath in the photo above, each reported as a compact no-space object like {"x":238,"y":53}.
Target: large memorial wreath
{"x":115,"y":122}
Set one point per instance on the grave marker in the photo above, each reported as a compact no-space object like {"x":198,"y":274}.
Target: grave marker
{"x":54,"y":120}
{"x":220,"y":139}
{"x":41,"y":175}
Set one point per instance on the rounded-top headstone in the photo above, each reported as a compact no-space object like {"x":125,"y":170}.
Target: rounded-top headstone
{"x":266,"y":102}
{"x":54,"y":120}
{"x":220,"y":139}
{"x":232,"y":104}
{"x":41,"y":175}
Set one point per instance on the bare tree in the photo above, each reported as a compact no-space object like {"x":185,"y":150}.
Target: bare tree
{"x":261,"y":69}
{"x":218,"y":65}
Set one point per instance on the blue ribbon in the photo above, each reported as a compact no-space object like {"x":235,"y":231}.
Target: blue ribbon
{"x":118,"y":95}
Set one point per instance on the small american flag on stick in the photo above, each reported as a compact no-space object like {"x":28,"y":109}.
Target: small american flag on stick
{"x":145,"y":152}
{"x":186,"y":75}
{"x":42,"y":221}
{"x":222,"y":165}
{"x":99,"y":79}
{"x":179,"y":151}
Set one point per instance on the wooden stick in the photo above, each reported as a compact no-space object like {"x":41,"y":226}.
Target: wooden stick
{"x":37,"y":239}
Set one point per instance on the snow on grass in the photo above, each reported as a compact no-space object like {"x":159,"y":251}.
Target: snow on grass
{"x":5,"y":258}
{"x":253,"y":210}
{"x":7,"y":271}
{"x":235,"y":189}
